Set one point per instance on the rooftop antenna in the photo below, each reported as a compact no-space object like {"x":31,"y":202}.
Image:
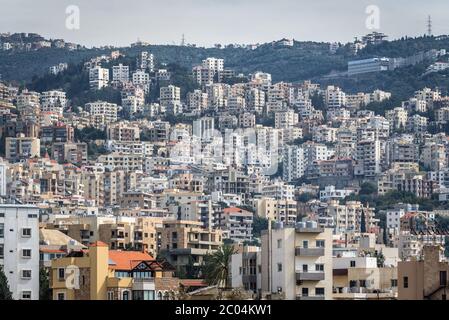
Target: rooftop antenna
{"x":429,"y":26}
{"x":183,"y":40}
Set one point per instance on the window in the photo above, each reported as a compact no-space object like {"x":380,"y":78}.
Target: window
{"x":26,"y":274}
{"x":305,"y":292}
{"x":2,"y":251}
{"x":443,"y":278}
{"x":125,"y":295}
{"x":26,"y":253}
{"x":279,"y":267}
{"x":362,"y":283}
{"x":61,"y":273}
{"x":394,"y":283}
{"x":319,"y":267}
{"x":405,"y":282}
{"x":305,"y":268}
{"x":26,"y":295}
{"x":2,"y":230}
{"x":305,"y":244}
{"x":352,"y":263}
{"x":61,"y":296}
{"x":320,"y":243}
{"x":26,"y":232}
{"x":110,"y":295}
{"x":319,"y":291}
{"x":279,"y":243}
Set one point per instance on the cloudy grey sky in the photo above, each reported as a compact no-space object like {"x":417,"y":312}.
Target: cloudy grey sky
{"x":206,"y":22}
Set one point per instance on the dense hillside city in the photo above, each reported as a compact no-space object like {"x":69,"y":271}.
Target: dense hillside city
{"x":285,"y":170}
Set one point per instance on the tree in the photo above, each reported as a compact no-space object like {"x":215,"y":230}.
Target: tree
{"x":216,"y":266}
{"x":5,"y":293}
{"x":44,"y":285}
{"x":259,"y":224}
{"x":363,"y":222}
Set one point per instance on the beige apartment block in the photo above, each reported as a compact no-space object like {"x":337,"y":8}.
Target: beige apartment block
{"x":297,"y":262}
{"x":426,"y":278}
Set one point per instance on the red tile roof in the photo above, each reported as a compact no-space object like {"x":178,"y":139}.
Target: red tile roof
{"x":98,"y":244}
{"x":127,"y":260}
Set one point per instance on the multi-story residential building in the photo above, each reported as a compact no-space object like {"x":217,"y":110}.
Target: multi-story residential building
{"x":331,"y":193}
{"x":368,"y":158}
{"x":186,"y":242}
{"x":297,"y":262}
{"x":75,"y":153}
{"x":21,"y":148}
{"x":334,"y":97}
{"x":246,"y":269}
{"x":349,"y":217}
{"x":98,"y":78}
{"x":141,"y":78}
{"x":358,"y":276}
{"x":170,"y":96}
{"x":285,"y":119}
{"x":398,"y":118}
{"x":197,"y":101}
{"x":120,"y":74}
{"x":145,"y":61}
{"x":19,"y":249}
{"x":280,"y":210}
{"x":293,"y":163}
{"x":123,"y":132}
{"x":236,"y":224}
{"x":255,"y":100}
{"x":105,"y":111}
{"x":103,"y":274}
{"x":53,"y":101}
{"x":425,"y":278}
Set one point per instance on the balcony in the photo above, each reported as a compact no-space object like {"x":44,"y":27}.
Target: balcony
{"x":246,"y":278}
{"x":310,"y":230}
{"x":309,"y":252}
{"x":309,"y":298}
{"x":309,"y":276}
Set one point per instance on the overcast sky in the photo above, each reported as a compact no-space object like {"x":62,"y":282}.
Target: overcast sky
{"x":206,"y":22}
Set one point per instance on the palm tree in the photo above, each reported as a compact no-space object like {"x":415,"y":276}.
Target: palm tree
{"x":216,"y":268}
{"x":5,"y":293}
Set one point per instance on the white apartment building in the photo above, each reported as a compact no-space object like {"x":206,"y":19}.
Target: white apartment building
{"x":102,"y":108}
{"x":196,"y":102}
{"x":397,"y":117}
{"x":368,"y":158}
{"x":28,"y":98}
{"x":19,"y":249}
{"x":145,"y":60}
{"x":255,"y":100}
{"x":98,"y":78}
{"x":293,"y":163}
{"x":334,"y":97}
{"x":442,"y":115}
{"x":285,"y":119}
{"x":213,"y":64}
{"x":170,"y":95}
{"x":120,"y":74}
{"x":141,"y":78}
{"x":297,"y":262}
{"x":331,"y":193}
{"x":53,"y":101}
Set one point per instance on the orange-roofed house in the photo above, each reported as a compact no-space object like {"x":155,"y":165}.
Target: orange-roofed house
{"x":103,"y":274}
